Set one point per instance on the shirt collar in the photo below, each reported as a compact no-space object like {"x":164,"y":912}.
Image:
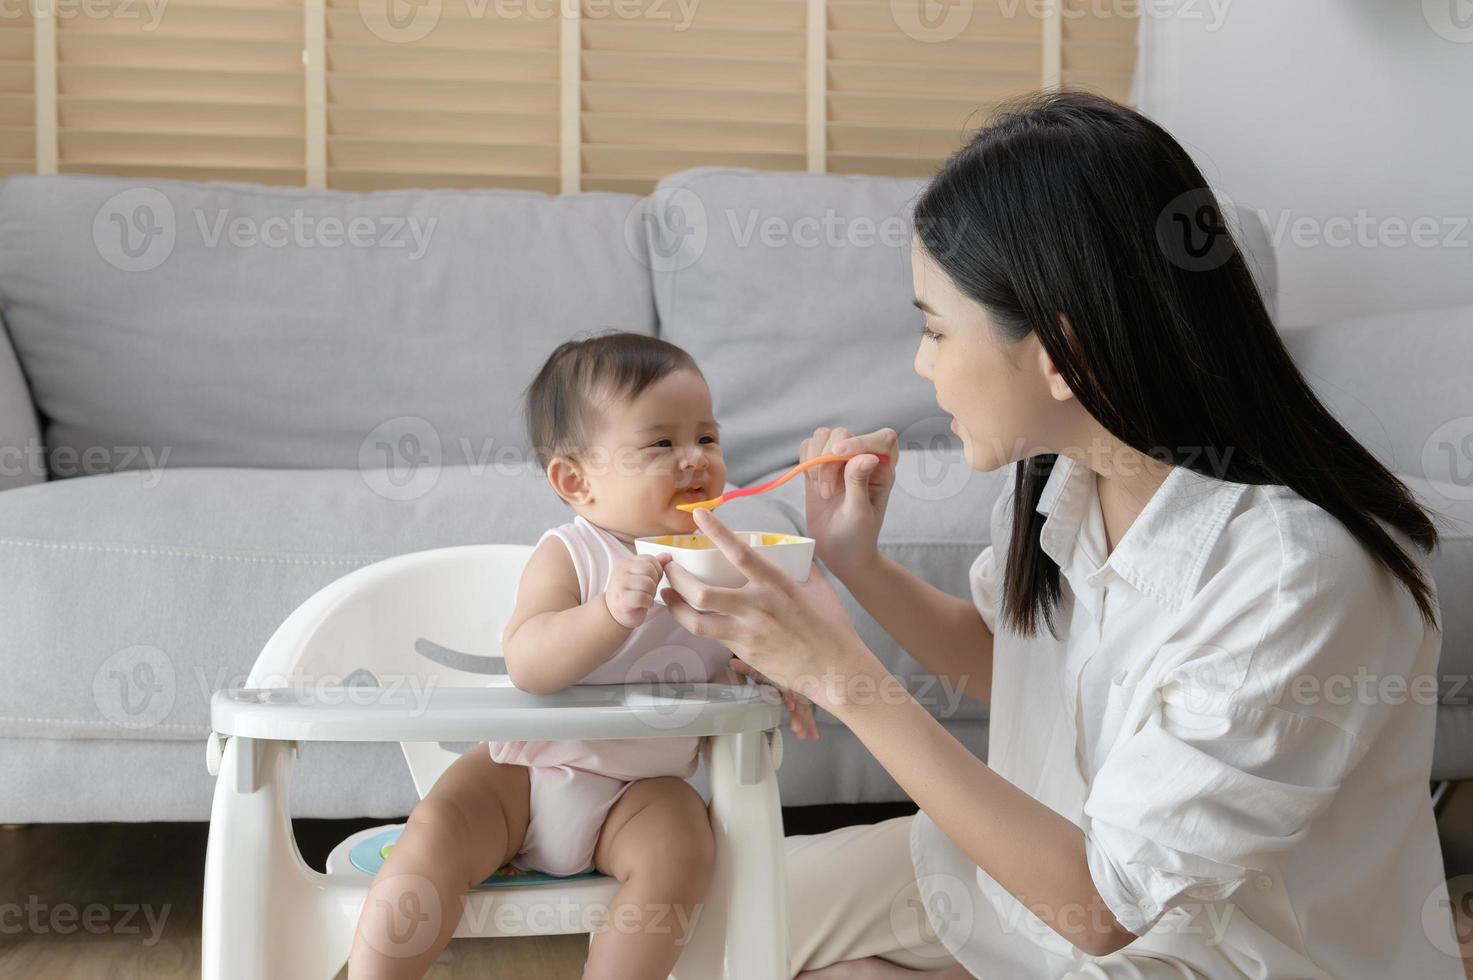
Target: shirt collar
{"x":1163,"y":552}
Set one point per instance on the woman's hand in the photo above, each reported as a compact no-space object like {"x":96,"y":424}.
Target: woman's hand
{"x":846,"y":501}
{"x":631,"y":591}
{"x":796,"y":633}
{"x":799,"y":708}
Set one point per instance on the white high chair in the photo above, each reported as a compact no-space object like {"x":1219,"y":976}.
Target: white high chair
{"x":422,"y":631}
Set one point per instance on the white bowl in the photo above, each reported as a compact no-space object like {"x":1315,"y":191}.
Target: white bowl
{"x":697,"y":554}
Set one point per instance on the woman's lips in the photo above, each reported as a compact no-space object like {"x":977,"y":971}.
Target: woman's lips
{"x":953,"y":425}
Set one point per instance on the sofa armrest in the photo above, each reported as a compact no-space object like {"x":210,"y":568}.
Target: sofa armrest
{"x":22,"y":458}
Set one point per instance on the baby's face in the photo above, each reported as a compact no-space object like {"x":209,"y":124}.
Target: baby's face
{"x":650,"y":453}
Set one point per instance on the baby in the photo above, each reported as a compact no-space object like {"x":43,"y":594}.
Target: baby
{"x":623,"y":428}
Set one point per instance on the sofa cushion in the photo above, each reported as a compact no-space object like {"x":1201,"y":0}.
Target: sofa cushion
{"x":131,"y":597}
{"x":1451,"y":567}
{"x":21,"y":462}
{"x":238,"y":325}
{"x":793,"y":291}
{"x":1399,"y":383}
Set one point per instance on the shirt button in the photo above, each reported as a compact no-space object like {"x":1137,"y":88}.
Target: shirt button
{"x":1263,"y":882}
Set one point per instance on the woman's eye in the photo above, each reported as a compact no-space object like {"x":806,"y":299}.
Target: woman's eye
{"x":930,"y":334}
{"x":710,"y":438}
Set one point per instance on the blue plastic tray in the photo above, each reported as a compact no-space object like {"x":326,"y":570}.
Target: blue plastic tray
{"x":368,"y":856}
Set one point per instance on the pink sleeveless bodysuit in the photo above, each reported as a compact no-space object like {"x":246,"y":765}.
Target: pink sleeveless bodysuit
{"x":574,"y":783}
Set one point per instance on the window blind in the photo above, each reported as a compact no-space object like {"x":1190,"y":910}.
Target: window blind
{"x":1098,"y":49}
{"x":721,"y":84}
{"x":195,"y":89}
{"x":551,"y":95}
{"x":473,"y":102}
{"x":17,"y":92}
{"x":907,"y":78}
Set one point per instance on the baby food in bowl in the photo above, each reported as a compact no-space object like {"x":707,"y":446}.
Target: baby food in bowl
{"x":698,"y":554}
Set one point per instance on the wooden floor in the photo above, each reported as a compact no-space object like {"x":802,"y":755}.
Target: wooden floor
{"x":122,"y":901}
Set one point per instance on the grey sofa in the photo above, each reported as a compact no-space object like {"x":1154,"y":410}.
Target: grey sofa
{"x":215,"y":399}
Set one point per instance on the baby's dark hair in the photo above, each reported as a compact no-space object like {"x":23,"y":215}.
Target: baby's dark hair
{"x":580,"y":376}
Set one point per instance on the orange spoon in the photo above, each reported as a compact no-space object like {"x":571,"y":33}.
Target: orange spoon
{"x":731,"y":495}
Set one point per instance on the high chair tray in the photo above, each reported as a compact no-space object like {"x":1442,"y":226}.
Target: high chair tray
{"x":408,"y":713}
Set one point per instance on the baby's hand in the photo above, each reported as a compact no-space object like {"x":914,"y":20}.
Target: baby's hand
{"x":799,"y":707}
{"x":632,"y":585}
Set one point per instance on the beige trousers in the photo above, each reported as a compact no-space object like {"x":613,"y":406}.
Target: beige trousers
{"x":852,"y":893}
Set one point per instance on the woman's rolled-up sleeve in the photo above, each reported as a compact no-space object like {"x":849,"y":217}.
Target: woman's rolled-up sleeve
{"x":1225,"y":764}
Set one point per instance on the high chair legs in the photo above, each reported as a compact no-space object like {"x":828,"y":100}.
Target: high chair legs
{"x":267,"y":915}
{"x":742,"y":933}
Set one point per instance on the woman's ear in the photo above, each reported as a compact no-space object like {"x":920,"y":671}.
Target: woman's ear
{"x":1058,"y":388}
{"x":568,"y":480}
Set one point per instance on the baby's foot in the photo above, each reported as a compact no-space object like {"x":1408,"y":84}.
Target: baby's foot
{"x":874,"y":968}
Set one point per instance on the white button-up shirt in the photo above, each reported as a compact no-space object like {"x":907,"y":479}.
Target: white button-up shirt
{"x":1238,"y":712}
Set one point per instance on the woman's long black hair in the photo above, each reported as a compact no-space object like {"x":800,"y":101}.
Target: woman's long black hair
{"x":1071,"y":204}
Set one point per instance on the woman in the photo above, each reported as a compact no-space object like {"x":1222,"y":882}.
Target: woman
{"x":1194,"y":564}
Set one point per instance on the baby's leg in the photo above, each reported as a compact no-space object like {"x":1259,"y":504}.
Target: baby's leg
{"x":657,"y":841}
{"x":470,"y":824}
